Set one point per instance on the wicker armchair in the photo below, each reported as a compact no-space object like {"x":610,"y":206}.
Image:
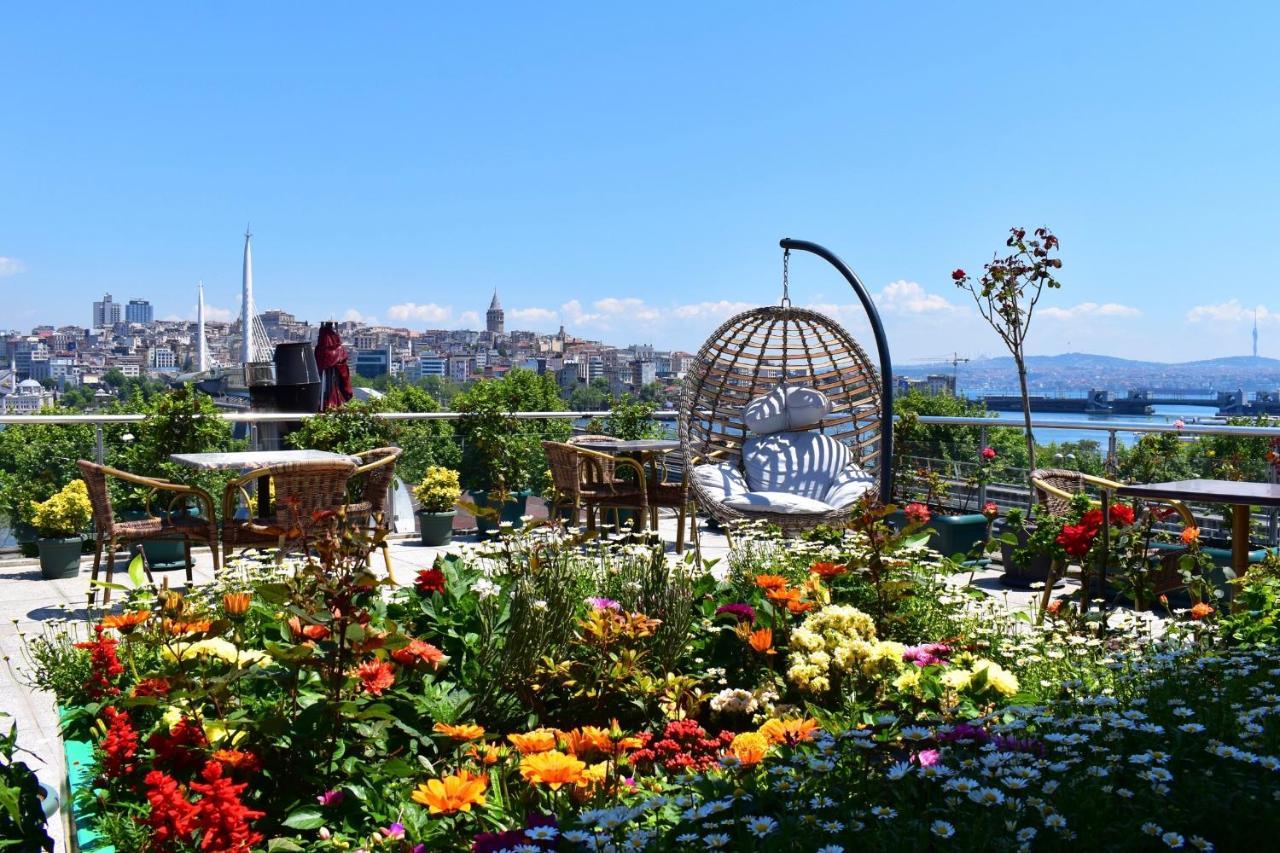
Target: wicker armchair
{"x":677,"y":496}
{"x":301,"y":489}
{"x":172,"y":524}
{"x":1055,"y":487}
{"x":376,"y":473}
{"x":579,"y":478}
{"x":607,"y":468}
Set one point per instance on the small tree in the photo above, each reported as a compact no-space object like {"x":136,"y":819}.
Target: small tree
{"x":1007,"y":294}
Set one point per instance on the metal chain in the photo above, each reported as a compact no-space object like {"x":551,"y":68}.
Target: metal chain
{"x":786,"y":287}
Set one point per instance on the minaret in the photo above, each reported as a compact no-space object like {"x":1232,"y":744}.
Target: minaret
{"x":202,"y":346}
{"x":493,"y":318}
{"x":1255,"y":332}
{"x":246,"y":302}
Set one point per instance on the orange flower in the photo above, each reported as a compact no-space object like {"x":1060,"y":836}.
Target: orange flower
{"x":828,"y":570}
{"x":236,"y":603}
{"x":486,"y":753}
{"x":1054,"y":607}
{"x":538,"y":740}
{"x":586,"y":740}
{"x":782,"y":595}
{"x":375,"y":676}
{"x":761,"y":640}
{"x":789,"y":732}
{"x":799,"y":606}
{"x":419,"y":652}
{"x":466,"y":731}
{"x":451,"y":794}
{"x":237,"y":759}
{"x":1201,"y":610}
{"x":191,"y":626}
{"x":310,"y":632}
{"x":1190,"y":536}
{"x":552,"y":768}
{"x":749,"y":748}
{"x":126,"y":622}
{"x":771,"y":581}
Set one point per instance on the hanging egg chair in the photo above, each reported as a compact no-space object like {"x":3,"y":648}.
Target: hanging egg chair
{"x":784,"y":418}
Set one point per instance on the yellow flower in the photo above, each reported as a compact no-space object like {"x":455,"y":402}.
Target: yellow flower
{"x":552,"y":768}
{"x":956,"y":679}
{"x":998,"y":679}
{"x":789,"y":731}
{"x":909,"y":680}
{"x":450,"y":794}
{"x":749,"y":748}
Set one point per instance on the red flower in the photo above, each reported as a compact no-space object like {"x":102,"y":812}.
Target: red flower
{"x":222,"y":819}
{"x":991,"y":510}
{"x":429,"y":581}
{"x":309,"y":631}
{"x":1122,"y":515}
{"x":418,"y":652}
{"x":181,"y":748}
{"x":988,"y":453}
{"x":172,"y":817}
{"x":120,"y":746}
{"x":103,"y":664}
{"x":957,"y":275}
{"x":1076,"y":539}
{"x":152,"y":687}
{"x":917,"y":513}
{"x":1092,"y":519}
{"x":684,"y":745}
{"x":375,"y":676}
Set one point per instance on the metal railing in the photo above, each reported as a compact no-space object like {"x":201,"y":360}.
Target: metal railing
{"x":1006,"y":491}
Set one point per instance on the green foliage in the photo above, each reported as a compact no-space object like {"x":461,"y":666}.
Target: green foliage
{"x":439,"y":490}
{"x":502,"y":453}
{"x":22,"y":821}
{"x":37,"y":460}
{"x":629,"y":419}
{"x":590,"y":397}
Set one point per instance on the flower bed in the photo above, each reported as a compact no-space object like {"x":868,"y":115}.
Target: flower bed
{"x":551,"y":692}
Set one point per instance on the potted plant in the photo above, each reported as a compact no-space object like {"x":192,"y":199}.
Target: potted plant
{"x":437,"y":495}
{"x":60,"y":522}
{"x":952,"y":532}
{"x":1028,"y":550}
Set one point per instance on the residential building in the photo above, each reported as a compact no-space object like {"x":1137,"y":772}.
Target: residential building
{"x":106,"y":313}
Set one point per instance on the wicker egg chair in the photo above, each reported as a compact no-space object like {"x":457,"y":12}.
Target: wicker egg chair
{"x":754,"y":353}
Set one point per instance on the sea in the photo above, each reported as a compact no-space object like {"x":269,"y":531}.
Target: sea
{"x":1102,"y":423}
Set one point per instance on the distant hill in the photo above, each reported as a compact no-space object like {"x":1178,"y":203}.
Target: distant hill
{"x":1076,"y":372}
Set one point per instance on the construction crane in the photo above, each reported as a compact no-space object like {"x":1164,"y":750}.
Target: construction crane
{"x":955,"y":360}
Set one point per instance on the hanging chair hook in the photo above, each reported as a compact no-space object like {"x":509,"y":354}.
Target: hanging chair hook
{"x":786,"y":286}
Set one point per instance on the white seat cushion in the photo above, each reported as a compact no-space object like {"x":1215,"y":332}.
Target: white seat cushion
{"x":787,"y":407}
{"x":807,"y":464}
{"x":780,"y":502}
{"x":852,"y":484}
{"x":720,"y":482}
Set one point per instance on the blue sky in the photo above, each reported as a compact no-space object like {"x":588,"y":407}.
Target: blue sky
{"x":628,"y":169}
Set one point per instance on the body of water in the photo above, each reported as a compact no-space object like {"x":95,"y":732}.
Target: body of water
{"x":1161,"y":415}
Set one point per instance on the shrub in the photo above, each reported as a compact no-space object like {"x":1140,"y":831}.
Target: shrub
{"x":65,"y":514}
{"x":439,"y":490}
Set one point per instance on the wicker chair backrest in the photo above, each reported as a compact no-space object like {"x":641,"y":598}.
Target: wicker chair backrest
{"x":1072,"y":482}
{"x":95,"y":480}
{"x":377,"y":481}
{"x":307,"y":487}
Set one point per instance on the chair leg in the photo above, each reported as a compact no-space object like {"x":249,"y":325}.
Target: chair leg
{"x":97,"y":561}
{"x":186,"y":550}
{"x":386,"y":556}
{"x":213,"y":549}
{"x":111,"y":569}
{"x":591,"y":517}
{"x":680,"y":529}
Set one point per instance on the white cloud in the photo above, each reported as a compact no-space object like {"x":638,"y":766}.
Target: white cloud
{"x":1231,"y":311}
{"x":716,"y":310}
{"x":11,"y":266}
{"x":469,"y":320}
{"x":531,"y":315}
{"x":428,"y":313}
{"x":908,"y":297}
{"x":351,"y":315}
{"x":213,"y":312}
{"x":1090,"y":309}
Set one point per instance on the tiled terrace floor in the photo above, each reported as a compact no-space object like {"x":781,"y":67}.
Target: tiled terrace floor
{"x":26,"y":600}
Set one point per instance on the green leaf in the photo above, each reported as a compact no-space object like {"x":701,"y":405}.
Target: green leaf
{"x":287,"y":845}
{"x":137,"y":571}
{"x":305,"y":818}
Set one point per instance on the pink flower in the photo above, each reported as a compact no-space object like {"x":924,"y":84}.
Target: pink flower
{"x":916,"y":513}
{"x":988,"y":453}
{"x":990,"y":510}
{"x":1179,"y":423}
{"x":928,"y":757}
{"x":332,"y":798}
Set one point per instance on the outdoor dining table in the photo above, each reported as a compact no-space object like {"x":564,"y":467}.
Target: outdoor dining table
{"x":252,"y":460}
{"x":1241,"y":496}
{"x":643,"y":450}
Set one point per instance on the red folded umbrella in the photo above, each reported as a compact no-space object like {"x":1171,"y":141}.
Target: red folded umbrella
{"x":331,"y":358}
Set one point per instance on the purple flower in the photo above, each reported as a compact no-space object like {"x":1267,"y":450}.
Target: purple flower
{"x":964,"y":733}
{"x":741,"y":612}
{"x":396,"y":830}
{"x":928,"y":654}
{"x":332,"y":798}
{"x":599,"y":602}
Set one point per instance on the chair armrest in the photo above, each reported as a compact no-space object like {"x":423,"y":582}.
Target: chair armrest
{"x":624,"y":461}
{"x":1188,"y":519}
{"x":157,"y":485}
